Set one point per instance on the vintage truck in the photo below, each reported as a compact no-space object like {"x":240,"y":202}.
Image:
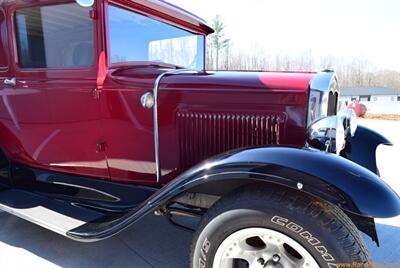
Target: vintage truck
{"x":107,"y":114}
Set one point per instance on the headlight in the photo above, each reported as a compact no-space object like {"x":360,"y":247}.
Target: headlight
{"x":327,"y":134}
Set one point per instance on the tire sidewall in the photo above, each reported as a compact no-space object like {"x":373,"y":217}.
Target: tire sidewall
{"x":323,"y":247}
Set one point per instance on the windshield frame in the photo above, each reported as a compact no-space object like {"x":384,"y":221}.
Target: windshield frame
{"x":152,"y":14}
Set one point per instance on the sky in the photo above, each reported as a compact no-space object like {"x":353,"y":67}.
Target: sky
{"x":345,"y":29}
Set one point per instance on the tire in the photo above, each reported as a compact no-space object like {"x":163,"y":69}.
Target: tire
{"x":326,"y":234}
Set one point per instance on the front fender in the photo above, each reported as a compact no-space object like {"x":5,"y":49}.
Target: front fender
{"x":328,"y":176}
{"x":361,"y":148}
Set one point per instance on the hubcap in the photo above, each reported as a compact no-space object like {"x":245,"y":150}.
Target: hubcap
{"x":262,"y":248}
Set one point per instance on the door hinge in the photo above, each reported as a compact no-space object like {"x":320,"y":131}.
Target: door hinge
{"x":101,"y":146}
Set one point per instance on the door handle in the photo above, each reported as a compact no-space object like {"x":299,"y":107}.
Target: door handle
{"x":147,"y":100}
{"x":10,"y":82}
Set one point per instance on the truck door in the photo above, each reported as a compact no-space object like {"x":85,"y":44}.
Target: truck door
{"x":127,"y":126}
{"x":53,"y":112}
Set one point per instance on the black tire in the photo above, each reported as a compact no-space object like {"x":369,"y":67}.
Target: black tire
{"x":256,"y":206}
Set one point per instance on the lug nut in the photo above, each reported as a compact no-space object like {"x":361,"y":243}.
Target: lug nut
{"x":276,"y":258}
{"x":261,"y":261}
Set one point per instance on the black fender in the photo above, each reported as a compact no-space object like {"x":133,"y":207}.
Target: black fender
{"x":325,"y":175}
{"x":330,"y":177}
{"x":361,"y":148}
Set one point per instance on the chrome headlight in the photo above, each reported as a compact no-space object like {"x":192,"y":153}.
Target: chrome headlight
{"x":327,"y":134}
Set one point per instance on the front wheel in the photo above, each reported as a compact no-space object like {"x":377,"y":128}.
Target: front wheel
{"x":275,"y":227}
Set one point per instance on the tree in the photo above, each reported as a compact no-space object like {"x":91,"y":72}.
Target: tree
{"x":352,"y":71}
{"x":218,"y":40}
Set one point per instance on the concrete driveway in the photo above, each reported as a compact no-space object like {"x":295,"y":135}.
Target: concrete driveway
{"x":153,"y":242}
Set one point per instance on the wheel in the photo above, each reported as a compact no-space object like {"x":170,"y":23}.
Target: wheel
{"x":275,"y":227}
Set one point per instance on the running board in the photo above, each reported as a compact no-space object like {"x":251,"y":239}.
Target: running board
{"x":57,"y":216}
{"x":73,"y":221}
{"x":76,"y":222}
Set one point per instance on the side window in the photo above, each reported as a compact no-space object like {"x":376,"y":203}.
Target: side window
{"x":58,"y":36}
{"x":3,"y":40}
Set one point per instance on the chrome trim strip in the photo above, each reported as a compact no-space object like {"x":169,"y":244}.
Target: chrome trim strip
{"x":155,"y":118}
{"x":115,"y":199}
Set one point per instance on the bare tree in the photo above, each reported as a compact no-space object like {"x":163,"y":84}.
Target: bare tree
{"x":352,"y":72}
{"x":218,"y":40}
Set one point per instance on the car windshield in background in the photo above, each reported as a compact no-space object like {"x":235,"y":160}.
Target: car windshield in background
{"x":135,"y":37}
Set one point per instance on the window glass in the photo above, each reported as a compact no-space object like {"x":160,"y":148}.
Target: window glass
{"x":3,"y":39}
{"x":58,"y":36}
{"x":365,"y":98}
{"x":135,"y":37}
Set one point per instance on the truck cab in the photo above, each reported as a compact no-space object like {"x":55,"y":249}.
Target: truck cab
{"x":102,"y":128}
{"x":107,"y":114}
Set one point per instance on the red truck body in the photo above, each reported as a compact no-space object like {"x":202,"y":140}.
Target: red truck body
{"x":111,"y":137}
{"x":107,"y":114}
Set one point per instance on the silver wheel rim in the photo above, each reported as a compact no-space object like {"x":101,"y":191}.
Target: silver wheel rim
{"x":262,"y":247}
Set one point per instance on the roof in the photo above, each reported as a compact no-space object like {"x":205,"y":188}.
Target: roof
{"x":176,"y":12}
{"x":170,"y":11}
{"x":372,"y":91}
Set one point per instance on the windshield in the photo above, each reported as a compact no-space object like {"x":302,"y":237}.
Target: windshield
{"x":137,"y":38}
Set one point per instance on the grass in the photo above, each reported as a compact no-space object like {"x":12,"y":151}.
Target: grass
{"x":393,"y":117}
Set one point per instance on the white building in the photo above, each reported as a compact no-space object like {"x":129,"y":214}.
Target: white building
{"x":379,"y":100}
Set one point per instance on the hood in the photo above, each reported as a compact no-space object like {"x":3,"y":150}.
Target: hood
{"x":201,"y":114}
{"x":232,"y":80}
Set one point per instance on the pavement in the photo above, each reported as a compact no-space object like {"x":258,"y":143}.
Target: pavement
{"x":388,"y":161}
{"x":153,"y":242}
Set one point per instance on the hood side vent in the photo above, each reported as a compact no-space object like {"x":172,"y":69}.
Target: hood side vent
{"x":204,"y":134}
